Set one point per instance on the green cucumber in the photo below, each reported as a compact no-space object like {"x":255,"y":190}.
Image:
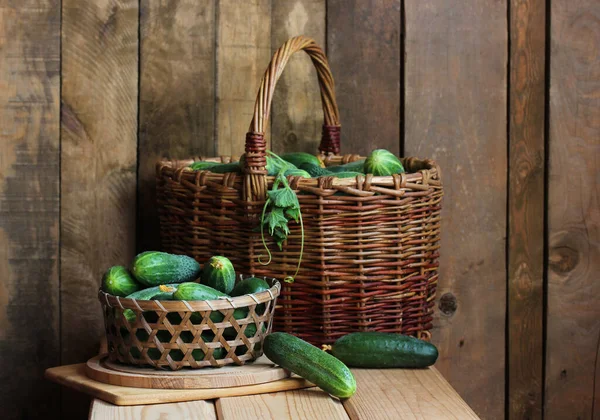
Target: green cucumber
{"x":226,"y":167}
{"x":315,"y":171}
{"x":299,"y":158}
{"x":249,"y":286}
{"x":219,"y":274}
{"x":356,"y":166}
{"x":384,"y":350}
{"x":117,"y":281}
{"x":382,"y":162}
{"x":162,"y":292}
{"x":346,"y":174}
{"x":195,"y":291}
{"x":297,"y":172}
{"x":311,"y":363}
{"x":153,"y":268}
{"x":203,"y":165}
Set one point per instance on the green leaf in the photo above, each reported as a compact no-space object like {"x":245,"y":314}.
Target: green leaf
{"x":293,"y":213}
{"x":284,"y":197}
{"x":275,"y":219}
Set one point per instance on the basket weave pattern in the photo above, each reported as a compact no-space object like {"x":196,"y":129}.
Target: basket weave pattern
{"x":371,"y":243}
{"x":168,"y":334}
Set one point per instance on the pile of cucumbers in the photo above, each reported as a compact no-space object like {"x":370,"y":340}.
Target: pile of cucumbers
{"x":380,"y":162}
{"x":163,"y":276}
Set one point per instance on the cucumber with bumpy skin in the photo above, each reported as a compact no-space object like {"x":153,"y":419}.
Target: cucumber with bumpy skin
{"x":117,"y":281}
{"x":219,"y":274}
{"x":384,"y":350}
{"x":356,"y":166}
{"x":315,"y":171}
{"x":311,"y":363}
{"x":249,"y":286}
{"x":299,"y":158}
{"x":162,"y":292}
{"x":226,"y":167}
{"x":153,"y":268}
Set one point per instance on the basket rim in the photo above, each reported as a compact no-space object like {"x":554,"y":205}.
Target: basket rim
{"x":422,"y":179}
{"x":225,"y":302}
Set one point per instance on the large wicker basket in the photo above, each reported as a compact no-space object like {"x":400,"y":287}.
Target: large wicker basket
{"x":371,"y":243}
{"x":177,"y":334}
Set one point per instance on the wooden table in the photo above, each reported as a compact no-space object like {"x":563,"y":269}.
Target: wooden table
{"x":382,"y":394}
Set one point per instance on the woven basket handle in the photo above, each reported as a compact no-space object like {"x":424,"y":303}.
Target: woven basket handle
{"x":255,"y":161}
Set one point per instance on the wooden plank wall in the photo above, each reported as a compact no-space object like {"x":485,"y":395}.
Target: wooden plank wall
{"x":504,"y":95}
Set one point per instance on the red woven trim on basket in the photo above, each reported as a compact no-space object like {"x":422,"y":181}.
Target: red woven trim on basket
{"x":256,"y":148}
{"x":330,"y":139}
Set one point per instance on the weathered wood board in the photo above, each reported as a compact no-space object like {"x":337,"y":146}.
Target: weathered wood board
{"x":29,"y":206}
{"x":455,"y":113}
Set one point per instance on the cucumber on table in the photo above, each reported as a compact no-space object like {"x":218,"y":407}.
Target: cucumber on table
{"x":384,"y":350}
{"x":311,"y":363}
{"x":219,"y":274}
{"x":153,"y":268}
{"x":118,"y":281}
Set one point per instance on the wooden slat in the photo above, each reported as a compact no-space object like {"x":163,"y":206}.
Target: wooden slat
{"x":29,"y":206}
{"x":297,"y":115}
{"x":363,"y":45}
{"x":177,"y":95}
{"x":192,"y":410}
{"x":98,"y":163}
{"x":573,"y":213}
{"x":243,"y":54}
{"x":526,"y":205}
{"x":300,"y":404}
{"x":455,"y":113}
{"x":405,"y":394}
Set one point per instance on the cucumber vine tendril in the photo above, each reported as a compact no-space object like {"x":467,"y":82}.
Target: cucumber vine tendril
{"x":280,"y":208}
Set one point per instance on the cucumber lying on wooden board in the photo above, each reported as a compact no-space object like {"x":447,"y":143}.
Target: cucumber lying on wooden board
{"x":311,"y":363}
{"x":377,"y":350}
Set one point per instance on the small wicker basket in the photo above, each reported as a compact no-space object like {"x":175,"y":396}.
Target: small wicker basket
{"x":165,"y":334}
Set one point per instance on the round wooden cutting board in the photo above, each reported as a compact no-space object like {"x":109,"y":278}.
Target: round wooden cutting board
{"x":260,"y":371}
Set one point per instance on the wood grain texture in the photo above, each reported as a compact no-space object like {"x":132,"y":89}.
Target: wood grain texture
{"x":98,"y":164}
{"x":177,"y":95}
{"x":297,"y":113}
{"x":29,"y":206}
{"x":363,"y":45}
{"x":573,"y":325}
{"x":191,"y":410}
{"x":405,"y":394}
{"x":243,"y":54}
{"x":257,"y":372}
{"x":455,"y":113}
{"x":75,"y":378}
{"x":300,"y":404}
{"x":526,"y":209}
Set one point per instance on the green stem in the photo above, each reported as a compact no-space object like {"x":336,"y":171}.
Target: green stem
{"x":290,"y":279}
{"x":262,"y":234}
